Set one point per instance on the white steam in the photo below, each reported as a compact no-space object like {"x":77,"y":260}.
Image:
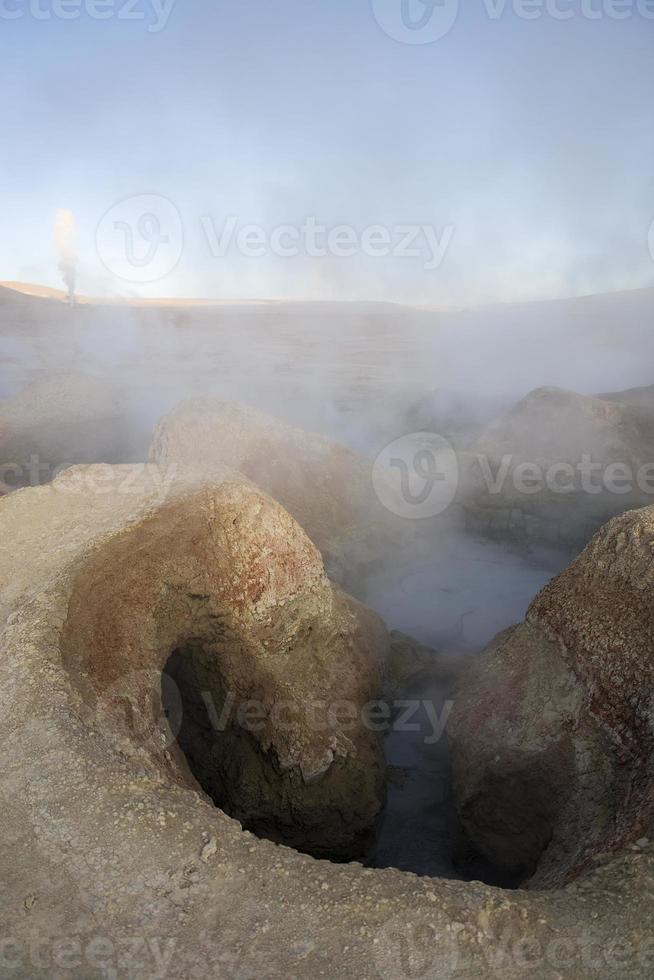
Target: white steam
{"x":65,"y":234}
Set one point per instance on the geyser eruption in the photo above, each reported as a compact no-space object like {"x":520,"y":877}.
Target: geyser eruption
{"x":65,"y":233}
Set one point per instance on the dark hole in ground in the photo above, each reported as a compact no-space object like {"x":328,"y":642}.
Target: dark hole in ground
{"x":247,"y":782}
{"x":419,"y":831}
{"x":488,"y":589}
{"x":455,"y":603}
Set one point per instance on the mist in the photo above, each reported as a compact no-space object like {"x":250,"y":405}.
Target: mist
{"x":485,"y":208}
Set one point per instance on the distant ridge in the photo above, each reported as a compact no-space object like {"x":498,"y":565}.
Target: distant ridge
{"x":59,"y":295}
{"x":33,"y":289}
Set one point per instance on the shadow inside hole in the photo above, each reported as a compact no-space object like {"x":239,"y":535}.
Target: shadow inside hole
{"x":415,"y":832}
{"x":419,"y":830}
{"x":247,"y":782}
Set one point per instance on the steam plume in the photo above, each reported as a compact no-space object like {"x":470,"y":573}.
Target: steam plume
{"x":65,"y":233}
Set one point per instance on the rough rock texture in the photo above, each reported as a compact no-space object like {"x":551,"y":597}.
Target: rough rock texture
{"x":555,"y":429}
{"x":552,"y":733}
{"x":60,"y":419}
{"x":325,"y":486}
{"x":227,"y":582}
{"x":116,"y":864}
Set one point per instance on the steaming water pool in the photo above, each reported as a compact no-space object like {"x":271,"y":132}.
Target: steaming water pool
{"x":464,"y":595}
{"x":456,"y":602}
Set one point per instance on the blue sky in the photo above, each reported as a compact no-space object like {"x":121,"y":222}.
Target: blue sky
{"x":532,"y":141}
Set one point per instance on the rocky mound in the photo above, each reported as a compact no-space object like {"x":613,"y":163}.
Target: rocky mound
{"x":552,"y":734}
{"x":222,"y":591}
{"x":553,"y":424}
{"x":325,"y":486}
{"x":118,"y":862}
{"x":58,"y":420}
{"x":460,"y":416}
{"x":558,"y":466}
{"x":642,"y":397}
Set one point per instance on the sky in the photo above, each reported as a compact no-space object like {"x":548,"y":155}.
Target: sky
{"x":395,"y":150}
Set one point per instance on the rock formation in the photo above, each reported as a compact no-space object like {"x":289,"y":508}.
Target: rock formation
{"x":325,"y":486}
{"x":558,"y":466}
{"x":221,"y":591}
{"x":552,"y":733}
{"x":642,"y":398}
{"x":113,"y":590}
